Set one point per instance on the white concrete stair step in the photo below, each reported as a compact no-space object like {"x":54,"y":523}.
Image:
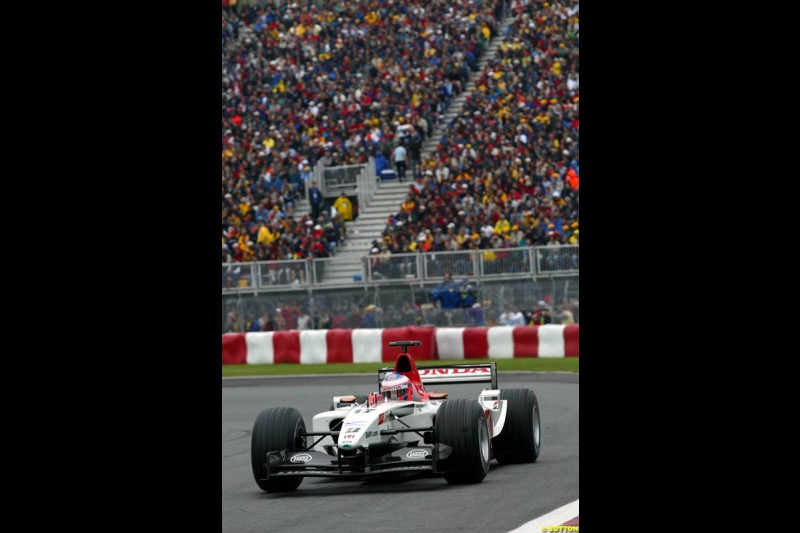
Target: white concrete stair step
{"x":394,"y":191}
{"x":343,"y":273}
{"x":372,"y":214}
{"x":343,"y":269}
{"x":392,"y":187}
{"x":361,"y":245}
{"x":389,"y":196}
{"x":361,"y":249}
{"x":361,"y":239}
{"x":379,"y":203}
{"x":349,"y":257}
{"x":391,"y":193}
{"x":364,"y":235}
{"x":380,"y":208}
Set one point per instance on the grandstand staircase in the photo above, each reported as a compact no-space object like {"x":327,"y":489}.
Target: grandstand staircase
{"x":391,"y":193}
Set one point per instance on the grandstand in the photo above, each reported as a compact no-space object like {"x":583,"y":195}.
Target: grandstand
{"x":486,"y":92}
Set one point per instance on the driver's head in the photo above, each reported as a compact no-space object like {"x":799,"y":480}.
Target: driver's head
{"x":396,"y":387}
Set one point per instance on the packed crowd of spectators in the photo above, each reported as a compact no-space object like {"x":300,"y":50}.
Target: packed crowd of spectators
{"x":349,"y":315}
{"x":505,"y":174}
{"x":304,"y":84}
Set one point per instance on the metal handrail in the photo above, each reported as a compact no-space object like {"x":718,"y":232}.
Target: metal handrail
{"x":531,"y":261}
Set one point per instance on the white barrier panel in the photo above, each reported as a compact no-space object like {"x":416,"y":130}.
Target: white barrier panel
{"x":450,"y":343}
{"x":259,"y":348}
{"x":313,"y":347}
{"x":501,"y":342}
{"x":367,"y":345}
{"x":551,"y":340}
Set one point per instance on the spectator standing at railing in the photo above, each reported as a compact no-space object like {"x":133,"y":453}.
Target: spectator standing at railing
{"x":408,"y":315}
{"x":476,"y":313}
{"x":466,"y":294}
{"x":315,"y":197}
{"x":258,"y":324}
{"x":400,"y":158}
{"x":344,"y":206}
{"x":304,"y":321}
{"x":267,"y":323}
{"x":369,"y":320}
{"x":280,"y":322}
{"x":564,"y":315}
{"x":542,"y":315}
{"x":447,"y":295}
{"x":354,"y":318}
{"x":323,"y":320}
{"x":414,"y":153}
{"x":232,"y":324}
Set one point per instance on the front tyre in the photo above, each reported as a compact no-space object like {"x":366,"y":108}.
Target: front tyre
{"x":520,"y":439}
{"x":276,"y":429}
{"x":460,"y":423}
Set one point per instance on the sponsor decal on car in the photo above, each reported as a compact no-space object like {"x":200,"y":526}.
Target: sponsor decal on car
{"x":453,"y":371}
{"x":369,"y":434}
{"x":417,"y":454}
{"x":349,"y":429}
{"x":301,"y":458}
{"x":380,"y":419}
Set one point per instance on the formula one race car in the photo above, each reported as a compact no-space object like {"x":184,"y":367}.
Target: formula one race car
{"x":401,"y":430}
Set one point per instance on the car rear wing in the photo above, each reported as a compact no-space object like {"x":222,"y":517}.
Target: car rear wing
{"x":452,"y":374}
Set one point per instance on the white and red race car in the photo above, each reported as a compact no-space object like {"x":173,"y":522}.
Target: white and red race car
{"x":378,"y":434}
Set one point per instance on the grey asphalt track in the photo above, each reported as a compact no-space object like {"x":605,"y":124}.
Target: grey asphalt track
{"x":509,"y":496}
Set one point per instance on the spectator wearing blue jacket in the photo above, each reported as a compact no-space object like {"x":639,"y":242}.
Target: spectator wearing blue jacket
{"x":446,"y":293}
{"x":369,"y":320}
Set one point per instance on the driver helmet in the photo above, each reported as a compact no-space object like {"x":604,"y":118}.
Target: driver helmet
{"x":396,"y":387}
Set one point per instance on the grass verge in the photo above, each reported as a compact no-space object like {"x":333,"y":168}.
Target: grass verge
{"x":560,"y":364}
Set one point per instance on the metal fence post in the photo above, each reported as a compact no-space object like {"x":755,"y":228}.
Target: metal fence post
{"x":532,"y":259}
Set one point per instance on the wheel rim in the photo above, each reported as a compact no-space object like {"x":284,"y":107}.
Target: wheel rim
{"x":484,"y":441}
{"x":536,"y":426}
{"x":300,"y":437}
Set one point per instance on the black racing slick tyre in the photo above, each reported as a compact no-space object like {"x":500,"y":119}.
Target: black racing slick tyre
{"x":520,"y":439}
{"x":276,"y":429}
{"x":460,"y":423}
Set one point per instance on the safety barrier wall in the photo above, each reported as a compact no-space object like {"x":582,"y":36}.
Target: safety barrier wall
{"x":372,"y":345}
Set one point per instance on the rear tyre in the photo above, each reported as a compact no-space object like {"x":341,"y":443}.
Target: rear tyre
{"x":520,"y":439}
{"x":461,"y":424}
{"x":277,"y":428}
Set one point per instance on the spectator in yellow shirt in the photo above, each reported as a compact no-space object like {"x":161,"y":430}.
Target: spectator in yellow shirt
{"x":502,"y":226}
{"x":344,"y":206}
